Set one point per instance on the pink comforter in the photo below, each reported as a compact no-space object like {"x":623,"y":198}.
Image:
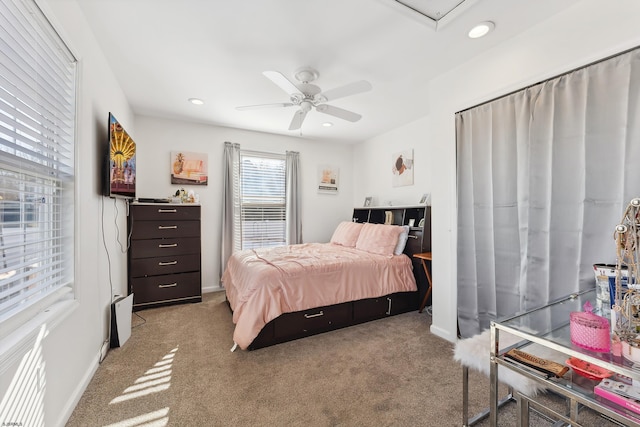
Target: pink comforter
{"x":262,"y":284}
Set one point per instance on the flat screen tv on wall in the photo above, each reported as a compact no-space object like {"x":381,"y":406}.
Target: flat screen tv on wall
{"x":120,"y":179}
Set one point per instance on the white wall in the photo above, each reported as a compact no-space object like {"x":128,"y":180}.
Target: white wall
{"x":373,"y":162}
{"x":68,"y":355}
{"x":321,"y":213}
{"x":579,"y":35}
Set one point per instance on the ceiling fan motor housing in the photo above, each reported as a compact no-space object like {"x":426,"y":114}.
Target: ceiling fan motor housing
{"x":306,"y":74}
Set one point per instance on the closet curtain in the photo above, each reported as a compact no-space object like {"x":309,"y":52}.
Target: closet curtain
{"x":292,"y":204}
{"x":543,"y":178}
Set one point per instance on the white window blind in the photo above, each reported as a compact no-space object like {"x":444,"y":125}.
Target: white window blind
{"x":37,"y":124}
{"x":262,"y":189}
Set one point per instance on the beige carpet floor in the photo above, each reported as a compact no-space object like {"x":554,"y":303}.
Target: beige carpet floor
{"x":177,"y":370}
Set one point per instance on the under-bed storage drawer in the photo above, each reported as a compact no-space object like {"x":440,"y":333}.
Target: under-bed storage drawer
{"x":308,"y":322}
{"x":375,"y":308}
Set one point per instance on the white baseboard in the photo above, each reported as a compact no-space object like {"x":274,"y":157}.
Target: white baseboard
{"x":443,"y":333}
{"x":207,"y":289}
{"x":74,"y":398}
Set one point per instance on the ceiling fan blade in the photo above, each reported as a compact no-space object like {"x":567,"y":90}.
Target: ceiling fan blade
{"x":347,"y":90}
{"x":338,"y":112}
{"x":253,"y":107}
{"x":298,"y":118}
{"x":282,"y":82}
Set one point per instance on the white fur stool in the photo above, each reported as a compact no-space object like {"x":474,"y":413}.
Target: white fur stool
{"x":474,"y":352}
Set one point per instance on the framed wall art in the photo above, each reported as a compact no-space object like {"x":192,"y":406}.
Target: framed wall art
{"x":189,"y":168}
{"x":328,"y":177}
{"x":402,"y":168}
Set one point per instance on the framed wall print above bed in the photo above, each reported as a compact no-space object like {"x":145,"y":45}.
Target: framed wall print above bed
{"x":328,"y":179}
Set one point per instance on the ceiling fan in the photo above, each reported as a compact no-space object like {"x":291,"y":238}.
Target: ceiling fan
{"x":307,"y":96}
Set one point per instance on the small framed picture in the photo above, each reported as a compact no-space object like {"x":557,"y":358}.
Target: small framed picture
{"x":367,"y":201}
{"x":426,"y":198}
{"x":412,"y":222}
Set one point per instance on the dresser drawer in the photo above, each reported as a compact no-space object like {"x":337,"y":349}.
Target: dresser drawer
{"x":164,"y":247}
{"x":164,"y":228}
{"x":171,"y":287}
{"x":155,"y":266}
{"x":308,"y":322}
{"x":164,"y":211}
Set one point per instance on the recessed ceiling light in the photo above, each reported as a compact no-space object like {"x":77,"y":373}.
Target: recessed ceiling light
{"x":327,"y":124}
{"x":196,"y":101}
{"x":482,"y":29}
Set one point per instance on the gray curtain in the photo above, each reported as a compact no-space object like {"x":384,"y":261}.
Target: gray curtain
{"x":294,"y":222}
{"x":544,"y":175}
{"x":231,"y":224}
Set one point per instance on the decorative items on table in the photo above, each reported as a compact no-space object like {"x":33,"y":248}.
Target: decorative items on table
{"x":622,"y":394}
{"x":626,"y":305}
{"x":588,"y":370}
{"x":588,"y":330}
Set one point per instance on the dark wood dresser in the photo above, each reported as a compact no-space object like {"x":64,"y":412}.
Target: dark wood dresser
{"x":164,"y":254}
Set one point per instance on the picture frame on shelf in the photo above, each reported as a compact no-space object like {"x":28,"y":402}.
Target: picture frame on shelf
{"x":367,"y":201}
{"x":426,"y":199}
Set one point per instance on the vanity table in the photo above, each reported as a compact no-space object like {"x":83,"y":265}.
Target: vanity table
{"x":545,"y":332}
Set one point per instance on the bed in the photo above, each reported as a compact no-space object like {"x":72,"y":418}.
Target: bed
{"x":279,"y":294}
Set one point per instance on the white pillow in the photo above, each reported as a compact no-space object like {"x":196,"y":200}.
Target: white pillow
{"x":402,"y":240}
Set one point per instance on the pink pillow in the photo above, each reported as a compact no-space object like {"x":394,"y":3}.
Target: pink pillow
{"x":346,"y":234}
{"x":379,"y":238}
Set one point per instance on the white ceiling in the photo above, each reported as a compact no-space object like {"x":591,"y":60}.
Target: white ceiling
{"x":166,"y":51}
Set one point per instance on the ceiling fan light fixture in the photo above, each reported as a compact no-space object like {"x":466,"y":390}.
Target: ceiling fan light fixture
{"x":481,"y":29}
{"x":305,"y":106}
{"x":196,"y":101}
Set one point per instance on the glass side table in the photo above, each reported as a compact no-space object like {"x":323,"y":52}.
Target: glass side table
{"x":547,"y":328}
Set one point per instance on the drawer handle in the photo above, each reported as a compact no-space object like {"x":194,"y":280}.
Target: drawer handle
{"x":170,"y":285}
{"x":172,"y":245}
{"x":168,"y":263}
{"x":389,"y":310}
{"x":309,"y":316}
{"x":411,"y":236}
{"x":167,"y":227}
{"x":167,"y":210}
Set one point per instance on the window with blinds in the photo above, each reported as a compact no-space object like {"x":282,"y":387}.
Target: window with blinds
{"x":37,"y":125}
{"x":262,"y":200}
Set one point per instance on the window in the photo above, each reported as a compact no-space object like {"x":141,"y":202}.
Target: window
{"x":37,"y":124}
{"x":262,"y":200}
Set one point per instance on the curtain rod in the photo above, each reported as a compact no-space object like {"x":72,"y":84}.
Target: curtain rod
{"x":552,"y":78}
